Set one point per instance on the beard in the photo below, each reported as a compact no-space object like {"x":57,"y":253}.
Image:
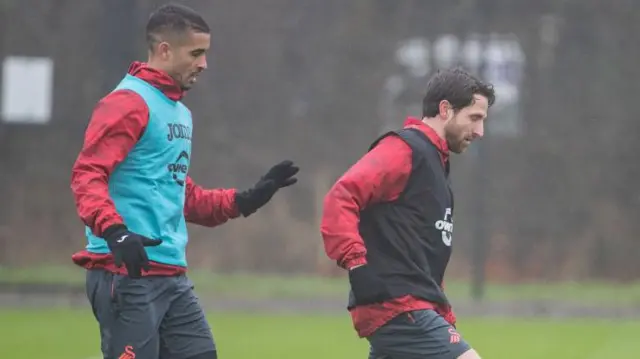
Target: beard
{"x":458,"y":146}
{"x":458,"y":139}
{"x":455,"y":140}
{"x":182,"y":81}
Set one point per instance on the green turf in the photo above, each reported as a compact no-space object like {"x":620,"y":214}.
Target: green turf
{"x":72,"y":334}
{"x":272,"y":286}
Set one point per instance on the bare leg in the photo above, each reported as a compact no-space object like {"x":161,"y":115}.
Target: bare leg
{"x":470,"y":354}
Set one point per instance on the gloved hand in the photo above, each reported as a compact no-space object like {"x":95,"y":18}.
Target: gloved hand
{"x":279,"y":176}
{"x":128,"y":248}
{"x":366,"y":286}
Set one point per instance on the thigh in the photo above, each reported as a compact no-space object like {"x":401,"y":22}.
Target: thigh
{"x":184,"y":331}
{"x":422,"y":334}
{"x":128,"y":311}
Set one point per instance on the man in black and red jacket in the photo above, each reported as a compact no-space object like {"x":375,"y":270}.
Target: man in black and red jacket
{"x":389,"y":221}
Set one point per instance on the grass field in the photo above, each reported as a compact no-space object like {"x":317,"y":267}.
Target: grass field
{"x":297,"y":287}
{"x":72,"y":334}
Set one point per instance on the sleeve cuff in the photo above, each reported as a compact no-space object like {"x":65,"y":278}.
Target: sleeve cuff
{"x":235,"y":211}
{"x":354,"y":262}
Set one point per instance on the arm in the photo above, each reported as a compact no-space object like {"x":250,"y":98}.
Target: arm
{"x":379,"y":176}
{"x":209,"y":207}
{"x":212,"y":207}
{"x":116,"y":124}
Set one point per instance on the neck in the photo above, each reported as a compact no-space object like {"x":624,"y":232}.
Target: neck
{"x":436,"y":124}
{"x":154,"y":64}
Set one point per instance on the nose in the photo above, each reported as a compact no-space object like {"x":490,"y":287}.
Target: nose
{"x":203,"y":63}
{"x":478,"y":131}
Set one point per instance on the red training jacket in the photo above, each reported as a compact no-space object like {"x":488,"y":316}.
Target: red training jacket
{"x":117,"y":123}
{"x":379,"y":176}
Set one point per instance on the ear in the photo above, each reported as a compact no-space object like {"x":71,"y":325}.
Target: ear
{"x":444,"y":109}
{"x":163,"y":50}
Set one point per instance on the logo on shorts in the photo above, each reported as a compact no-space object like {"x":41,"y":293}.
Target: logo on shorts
{"x":454,"y":337}
{"x":128,"y":353}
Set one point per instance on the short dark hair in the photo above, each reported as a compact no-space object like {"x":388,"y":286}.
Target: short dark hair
{"x":173,"y":18}
{"x":456,"y":86}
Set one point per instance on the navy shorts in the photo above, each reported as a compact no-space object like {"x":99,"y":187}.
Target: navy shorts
{"x":421,"y":334}
{"x":151,"y":317}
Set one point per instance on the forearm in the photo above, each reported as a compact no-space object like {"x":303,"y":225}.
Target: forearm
{"x":209,"y":207}
{"x":90,"y":189}
{"x":339,"y":228}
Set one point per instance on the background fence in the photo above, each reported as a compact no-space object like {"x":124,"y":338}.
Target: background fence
{"x":549,"y":194}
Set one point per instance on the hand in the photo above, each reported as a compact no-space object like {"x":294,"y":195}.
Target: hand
{"x":366,"y":286}
{"x":279,"y":176}
{"x":128,"y":248}
{"x":282,"y":174}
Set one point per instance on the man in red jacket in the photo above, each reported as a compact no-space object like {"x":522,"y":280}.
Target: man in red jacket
{"x":133,"y":193}
{"x":389,"y":221}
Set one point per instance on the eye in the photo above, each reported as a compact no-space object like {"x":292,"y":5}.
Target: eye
{"x":196,"y":53}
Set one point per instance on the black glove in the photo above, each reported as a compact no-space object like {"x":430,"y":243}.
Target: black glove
{"x":367,"y":287}
{"x":128,"y":247}
{"x":279,"y":176}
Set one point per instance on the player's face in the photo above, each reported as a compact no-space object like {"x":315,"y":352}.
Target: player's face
{"x":188,"y":58}
{"x":466,"y":125}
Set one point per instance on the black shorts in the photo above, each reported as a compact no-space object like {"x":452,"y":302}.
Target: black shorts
{"x":151,"y":317}
{"x":421,"y":334}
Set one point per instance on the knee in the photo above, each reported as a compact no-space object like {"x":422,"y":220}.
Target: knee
{"x":208,"y":355}
{"x":470,"y":354}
